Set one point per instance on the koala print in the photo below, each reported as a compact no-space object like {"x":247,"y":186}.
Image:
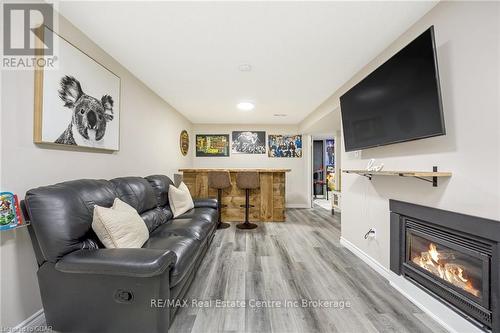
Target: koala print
{"x":90,"y":115}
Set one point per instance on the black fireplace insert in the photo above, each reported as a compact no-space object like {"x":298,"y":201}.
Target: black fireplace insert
{"x":452,"y":256}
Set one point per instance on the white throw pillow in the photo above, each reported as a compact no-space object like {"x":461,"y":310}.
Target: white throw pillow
{"x":119,"y":226}
{"x":180,"y":199}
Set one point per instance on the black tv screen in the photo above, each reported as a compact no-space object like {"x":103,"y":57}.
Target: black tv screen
{"x":399,"y":101}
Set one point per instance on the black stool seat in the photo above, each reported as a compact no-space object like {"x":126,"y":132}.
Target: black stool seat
{"x":247,"y":181}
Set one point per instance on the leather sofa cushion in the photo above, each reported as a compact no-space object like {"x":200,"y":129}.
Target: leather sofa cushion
{"x":192,"y":228}
{"x":160,"y":183}
{"x":204,"y":213}
{"x":61,"y":214}
{"x":135,"y":191}
{"x":153,"y":218}
{"x":185,"y":248}
{"x":168,"y":212}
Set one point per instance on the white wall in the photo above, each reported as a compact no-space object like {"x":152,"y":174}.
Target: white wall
{"x":467,"y":40}
{"x":297,"y":185}
{"x":149,"y":139}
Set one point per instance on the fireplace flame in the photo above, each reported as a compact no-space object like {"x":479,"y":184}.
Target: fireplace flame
{"x":433,"y":252}
{"x":440,"y":264}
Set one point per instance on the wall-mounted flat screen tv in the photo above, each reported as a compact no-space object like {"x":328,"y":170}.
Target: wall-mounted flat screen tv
{"x":399,"y":101}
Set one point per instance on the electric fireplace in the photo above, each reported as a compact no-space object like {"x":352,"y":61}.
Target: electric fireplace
{"x":452,"y":256}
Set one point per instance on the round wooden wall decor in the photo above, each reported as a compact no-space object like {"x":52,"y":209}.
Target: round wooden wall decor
{"x":184,"y":142}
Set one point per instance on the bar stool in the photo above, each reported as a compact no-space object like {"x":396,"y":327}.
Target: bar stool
{"x":247,"y":181}
{"x":220,"y":180}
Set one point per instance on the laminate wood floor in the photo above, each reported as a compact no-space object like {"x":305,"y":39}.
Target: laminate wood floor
{"x":300,"y":259}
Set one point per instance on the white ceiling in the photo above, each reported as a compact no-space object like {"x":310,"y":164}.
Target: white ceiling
{"x":189,"y":52}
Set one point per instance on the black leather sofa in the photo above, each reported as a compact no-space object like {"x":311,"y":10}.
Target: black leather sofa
{"x":88,"y":288}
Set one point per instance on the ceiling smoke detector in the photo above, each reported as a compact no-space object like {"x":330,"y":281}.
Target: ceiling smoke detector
{"x":245,"y":67}
{"x":280,"y":115}
{"x":245,"y":106}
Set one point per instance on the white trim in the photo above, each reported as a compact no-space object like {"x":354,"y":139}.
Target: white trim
{"x":37,"y":319}
{"x":297,"y":205}
{"x":432,"y":307}
{"x":366,"y":258}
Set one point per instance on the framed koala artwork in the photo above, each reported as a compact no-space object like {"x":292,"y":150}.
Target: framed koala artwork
{"x":77,"y":104}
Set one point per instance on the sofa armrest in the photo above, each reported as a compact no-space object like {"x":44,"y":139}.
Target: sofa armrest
{"x":206,"y":202}
{"x":121,"y":262}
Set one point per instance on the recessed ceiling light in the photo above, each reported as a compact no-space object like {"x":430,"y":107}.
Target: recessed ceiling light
{"x":245,"y":67}
{"x":280,"y":115}
{"x":245,"y":106}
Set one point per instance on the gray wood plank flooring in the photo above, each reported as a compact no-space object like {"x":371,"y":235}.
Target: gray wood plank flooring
{"x":300,"y":259}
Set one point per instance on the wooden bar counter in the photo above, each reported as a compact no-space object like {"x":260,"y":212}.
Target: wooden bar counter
{"x":269,"y":199}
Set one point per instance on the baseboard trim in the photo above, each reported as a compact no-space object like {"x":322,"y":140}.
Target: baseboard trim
{"x":297,"y":206}
{"x":37,"y":319}
{"x":422,"y":307}
{"x":366,"y":258}
{"x":396,"y":281}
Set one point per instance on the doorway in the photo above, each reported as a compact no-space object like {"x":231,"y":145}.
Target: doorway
{"x":324,"y":161}
{"x":323,"y":171}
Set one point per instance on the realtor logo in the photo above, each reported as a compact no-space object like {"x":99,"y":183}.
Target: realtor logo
{"x":22,"y":34}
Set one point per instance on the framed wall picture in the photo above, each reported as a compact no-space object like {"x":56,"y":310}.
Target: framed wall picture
{"x":77,"y":104}
{"x":248,"y":142}
{"x":184,"y":142}
{"x":212,"y":145}
{"x":285,"y":145}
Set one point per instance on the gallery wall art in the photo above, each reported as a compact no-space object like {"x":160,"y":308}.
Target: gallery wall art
{"x":184,"y":142}
{"x":248,"y":142}
{"x":77,"y":104}
{"x":285,"y":145}
{"x":212,"y":145}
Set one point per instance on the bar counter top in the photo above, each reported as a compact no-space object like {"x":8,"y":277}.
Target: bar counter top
{"x":234,"y":169}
